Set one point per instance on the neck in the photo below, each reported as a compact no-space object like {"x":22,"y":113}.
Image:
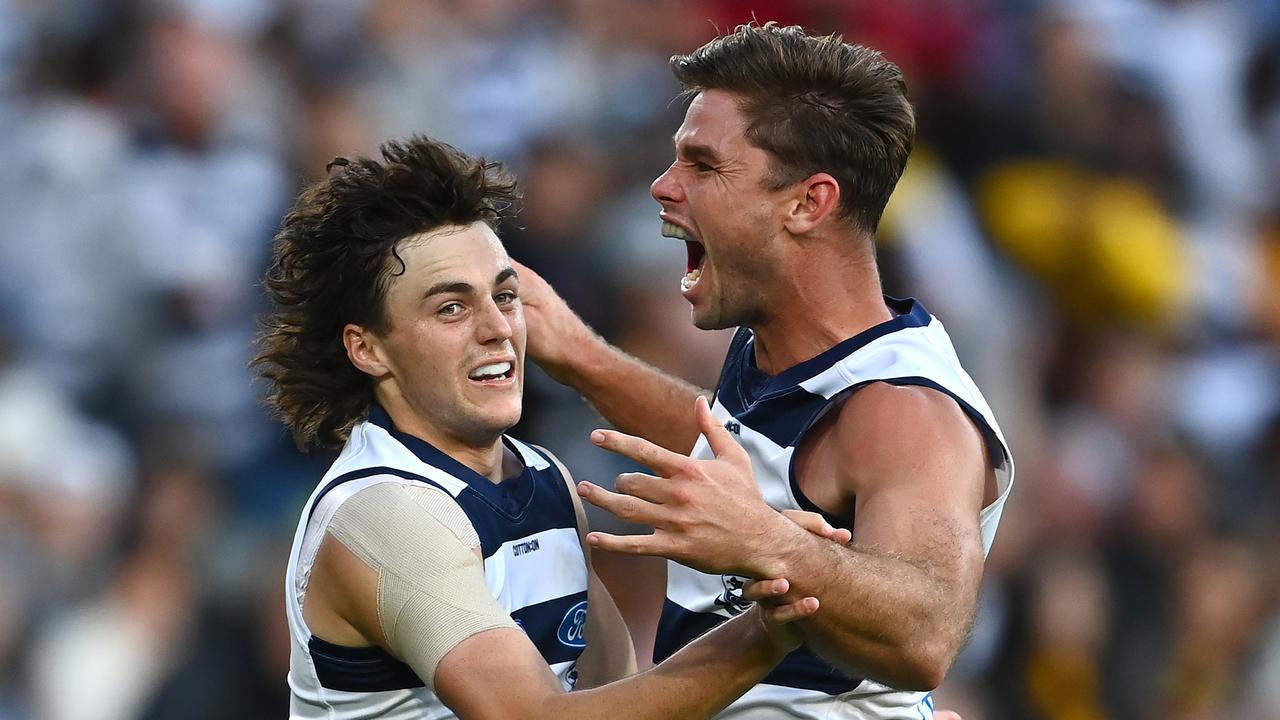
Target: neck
{"x":485,"y":456}
{"x":827,"y":297}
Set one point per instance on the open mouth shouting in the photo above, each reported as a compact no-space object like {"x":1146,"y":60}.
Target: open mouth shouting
{"x":696,"y":254}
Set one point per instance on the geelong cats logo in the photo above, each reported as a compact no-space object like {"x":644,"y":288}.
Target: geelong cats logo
{"x":731,"y":598}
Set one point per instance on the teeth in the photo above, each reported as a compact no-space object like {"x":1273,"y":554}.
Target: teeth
{"x":690,"y":279}
{"x":491,"y":370}
{"x":673,"y":230}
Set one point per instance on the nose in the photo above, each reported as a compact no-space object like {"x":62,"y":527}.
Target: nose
{"x":493,"y":326}
{"x":666,"y":187}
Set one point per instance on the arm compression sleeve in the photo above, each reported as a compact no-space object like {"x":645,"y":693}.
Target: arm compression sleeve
{"x":432,"y":593}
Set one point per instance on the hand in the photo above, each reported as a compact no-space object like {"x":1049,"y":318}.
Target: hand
{"x":946,"y":715}
{"x":772,"y":595}
{"x":776,"y":618}
{"x":707,"y":514}
{"x":554,"y":330}
{"x":818,"y":525}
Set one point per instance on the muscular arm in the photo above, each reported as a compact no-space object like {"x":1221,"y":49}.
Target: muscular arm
{"x":696,"y":682}
{"x":631,"y":394}
{"x":906,"y":462}
{"x":898,"y":603}
{"x":496,"y":671}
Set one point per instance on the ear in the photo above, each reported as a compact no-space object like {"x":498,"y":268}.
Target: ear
{"x":816,"y":198}
{"x":364,"y":350}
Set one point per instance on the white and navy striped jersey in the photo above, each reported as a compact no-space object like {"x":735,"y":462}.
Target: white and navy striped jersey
{"x":770,"y":415}
{"x":533,"y":565}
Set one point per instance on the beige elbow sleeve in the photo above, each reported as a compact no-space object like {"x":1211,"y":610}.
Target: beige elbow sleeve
{"x":432,"y":593}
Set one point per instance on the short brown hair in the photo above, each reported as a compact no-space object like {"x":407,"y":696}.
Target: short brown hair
{"x":815,"y":104}
{"x":332,"y":263}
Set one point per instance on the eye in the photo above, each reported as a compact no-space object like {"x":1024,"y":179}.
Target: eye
{"x":450,"y":309}
{"x":701,"y":167}
{"x":506,"y":297}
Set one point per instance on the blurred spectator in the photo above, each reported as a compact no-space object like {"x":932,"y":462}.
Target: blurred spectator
{"x":1093,"y":208}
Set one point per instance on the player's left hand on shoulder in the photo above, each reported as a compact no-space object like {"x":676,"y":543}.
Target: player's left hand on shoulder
{"x":707,"y":514}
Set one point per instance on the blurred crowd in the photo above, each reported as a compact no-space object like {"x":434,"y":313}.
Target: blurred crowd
{"x":1093,"y":210}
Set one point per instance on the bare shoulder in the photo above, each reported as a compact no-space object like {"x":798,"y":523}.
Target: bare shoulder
{"x":884,"y":431}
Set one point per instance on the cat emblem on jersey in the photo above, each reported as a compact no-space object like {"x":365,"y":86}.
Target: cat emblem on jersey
{"x":731,"y":599}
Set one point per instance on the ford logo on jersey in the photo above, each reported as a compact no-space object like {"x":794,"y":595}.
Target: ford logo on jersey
{"x":573,"y":628}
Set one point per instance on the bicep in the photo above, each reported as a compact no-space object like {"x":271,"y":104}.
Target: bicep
{"x":430,"y":586}
{"x":495,"y":674}
{"x":916,"y":466}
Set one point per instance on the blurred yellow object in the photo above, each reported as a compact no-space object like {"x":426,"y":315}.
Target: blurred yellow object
{"x":1065,"y":684}
{"x":1031,"y":209}
{"x":1105,"y":245}
{"x":917,"y":185}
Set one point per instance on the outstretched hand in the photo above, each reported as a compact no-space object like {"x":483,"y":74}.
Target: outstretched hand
{"x":707,"y":514}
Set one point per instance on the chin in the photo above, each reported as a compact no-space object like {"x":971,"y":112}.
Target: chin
{"x":505,"y":418}
{"x":709,"y":321}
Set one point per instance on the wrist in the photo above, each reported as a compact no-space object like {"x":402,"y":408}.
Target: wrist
{"x":778,"y":543}
{"x":580,"y":353}
{"x":776,"y":640}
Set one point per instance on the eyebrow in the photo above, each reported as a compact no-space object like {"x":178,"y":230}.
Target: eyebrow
{"x":695,"y":151}
{"x":465,"y":288}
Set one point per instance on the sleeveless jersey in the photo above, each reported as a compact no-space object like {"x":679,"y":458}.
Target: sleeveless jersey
{"x":770,"y":417}
{"x":533,"y":565}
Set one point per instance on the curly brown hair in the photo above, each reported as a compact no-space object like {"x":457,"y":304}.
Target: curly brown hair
{"x":333,"y":260}
{"x":815,"y":104}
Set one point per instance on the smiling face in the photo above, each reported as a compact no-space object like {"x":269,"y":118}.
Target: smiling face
{"x":714,"y":197}
{"x":449,"y":362}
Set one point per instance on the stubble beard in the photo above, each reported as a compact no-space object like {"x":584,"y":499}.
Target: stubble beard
{"x":729,"y":312}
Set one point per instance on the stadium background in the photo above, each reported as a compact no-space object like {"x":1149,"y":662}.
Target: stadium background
{"x":1093,"y":209}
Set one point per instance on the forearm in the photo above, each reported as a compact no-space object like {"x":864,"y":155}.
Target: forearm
{"x":898,"y":622}
{"x":698,"y":681}
{"x":634,"y":396}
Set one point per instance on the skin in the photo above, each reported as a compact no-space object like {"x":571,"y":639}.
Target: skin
{"x":457,"y":303}
{"x":898,"y":602}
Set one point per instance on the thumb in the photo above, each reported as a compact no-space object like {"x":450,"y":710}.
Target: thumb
{"x":720,"y":439}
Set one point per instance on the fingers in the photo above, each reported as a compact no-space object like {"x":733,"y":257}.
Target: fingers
{"x":756,"y":590}
{"x":654,"y":457}
{"x":646,"y":487}
{"x":818,"y":525}
{"x":624,"y":507}
{"x":780,"y":610}
{"x":719,"y":438}
{"x":946,"y":715}
{"x":628,"y":544}
{"x":790,"y":612}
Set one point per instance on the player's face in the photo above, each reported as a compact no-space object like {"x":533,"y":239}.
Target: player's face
{"x":713,"y":197}
{"x":456,"y":337}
